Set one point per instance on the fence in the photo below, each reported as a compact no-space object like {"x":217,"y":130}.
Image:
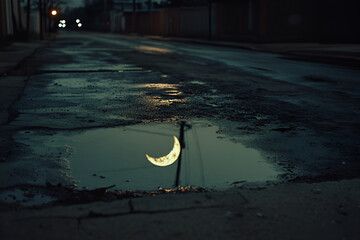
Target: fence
{"x":187,"y":22}
{"x":253,"y":20}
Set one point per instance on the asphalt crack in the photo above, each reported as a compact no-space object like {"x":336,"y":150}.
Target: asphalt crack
{"x":92,"y":214}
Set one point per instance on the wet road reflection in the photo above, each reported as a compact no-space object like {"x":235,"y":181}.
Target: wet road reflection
{"x":168,"y":94}
{"x":151,"y":49}
{"x":168,"y":159}
{"x":106,"y":156}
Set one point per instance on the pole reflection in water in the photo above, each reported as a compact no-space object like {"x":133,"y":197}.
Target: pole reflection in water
{"x":174,"y":154}
{"x":182,"y":142}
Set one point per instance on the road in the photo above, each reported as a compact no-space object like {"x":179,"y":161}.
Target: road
{"x":298,"y":119}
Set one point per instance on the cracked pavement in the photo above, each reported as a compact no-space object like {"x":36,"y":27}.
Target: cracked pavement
{"x":303,"y":117}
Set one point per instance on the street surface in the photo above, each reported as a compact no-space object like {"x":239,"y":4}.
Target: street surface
{"x":302,"y":116}
{"x":260,"y":125}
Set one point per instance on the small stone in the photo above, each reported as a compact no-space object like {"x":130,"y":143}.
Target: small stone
{"x":259,"y":214}
{"x":29,"y":195}
{"x":228,"y":214}
{"x":238,"y":182}
{"x":316,"y":191}
{"x":12,"y":196}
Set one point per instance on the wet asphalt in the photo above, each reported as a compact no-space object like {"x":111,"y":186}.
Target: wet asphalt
{"x":301,"y":118}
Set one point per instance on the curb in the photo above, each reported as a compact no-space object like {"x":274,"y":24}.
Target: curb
{"x":12,"y":86}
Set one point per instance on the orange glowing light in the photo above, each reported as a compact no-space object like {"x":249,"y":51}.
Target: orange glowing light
{"x":155,"y":50}
{"x":54,"y":12}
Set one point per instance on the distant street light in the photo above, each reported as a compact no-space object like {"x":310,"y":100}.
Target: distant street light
{"x":62,"y":23}
{"x":51,"y":19}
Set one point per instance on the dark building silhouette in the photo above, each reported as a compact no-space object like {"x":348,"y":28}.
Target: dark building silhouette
{"x":243,"y":20}
{"x":284,"y":20}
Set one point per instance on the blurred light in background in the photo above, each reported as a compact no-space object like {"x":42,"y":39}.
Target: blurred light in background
{"x":62,"y":23}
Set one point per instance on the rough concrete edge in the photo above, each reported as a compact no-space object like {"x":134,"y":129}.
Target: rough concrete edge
{"x":11,"y":113}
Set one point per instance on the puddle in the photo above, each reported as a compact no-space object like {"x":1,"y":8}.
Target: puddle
{"x":107,"y":156}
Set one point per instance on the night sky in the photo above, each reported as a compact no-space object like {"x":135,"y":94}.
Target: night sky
{"x":74,"y":3}
{"x":79,"y":3}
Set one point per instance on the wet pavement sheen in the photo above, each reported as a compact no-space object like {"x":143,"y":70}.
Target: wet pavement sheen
{"x":91,"y":113}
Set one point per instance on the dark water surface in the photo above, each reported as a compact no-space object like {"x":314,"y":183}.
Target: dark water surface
{"x":106,"y":156}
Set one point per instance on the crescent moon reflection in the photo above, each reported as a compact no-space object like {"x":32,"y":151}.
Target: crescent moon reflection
{"x":168,"y":159}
